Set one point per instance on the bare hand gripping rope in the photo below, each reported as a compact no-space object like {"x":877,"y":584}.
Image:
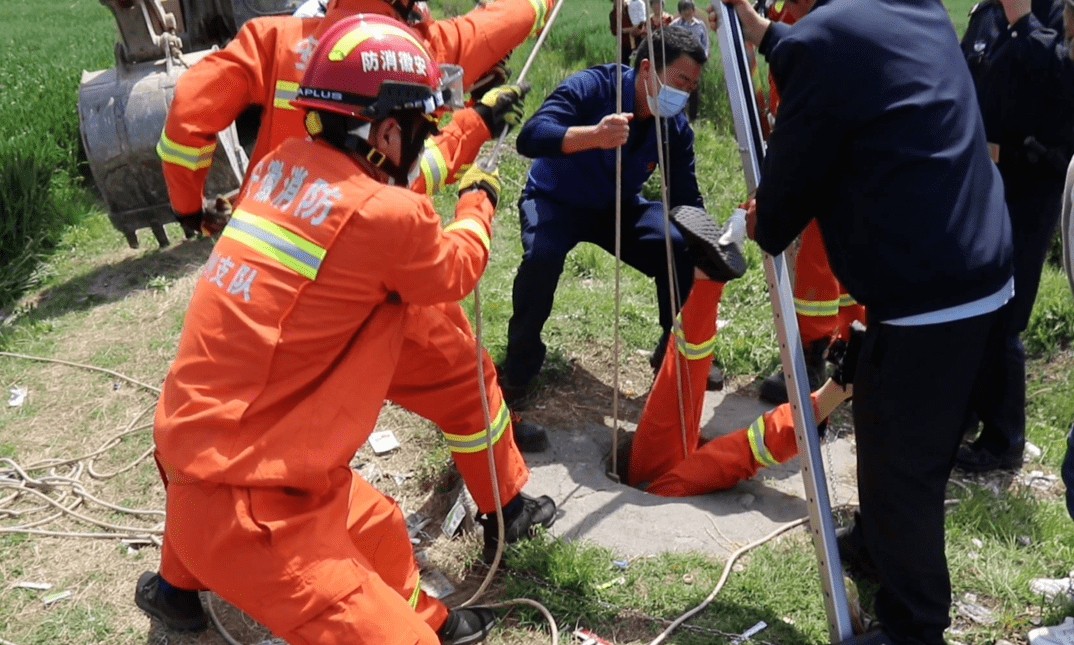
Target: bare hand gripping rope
{"x":751,"y":146}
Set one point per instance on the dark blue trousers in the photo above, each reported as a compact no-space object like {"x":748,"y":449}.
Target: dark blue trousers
{"x":911,"y":395}
{"x":1034,"y":194}
{"x":550,"y":229}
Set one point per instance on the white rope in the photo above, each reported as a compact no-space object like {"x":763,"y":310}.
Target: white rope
{"x":60,"y":494}
{"x":489,"y":450}
{"x":673,"y":295}
{"x":723,"y":578}
{"x":614,"y":474}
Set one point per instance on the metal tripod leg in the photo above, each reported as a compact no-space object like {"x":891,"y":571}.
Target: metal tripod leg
{"x":751,"y":146}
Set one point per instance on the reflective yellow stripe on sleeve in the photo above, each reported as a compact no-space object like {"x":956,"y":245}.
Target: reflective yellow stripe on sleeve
{"x":470,"y":443}
{"x":185,"y":156}
{"x":816,"y":307}
{"x":846,"y":300}
{"x":540,"y":11}
{"x":285,"y":91}
{"x":474,"y":227}
{"x":414,"y":595}
{"x":760,"y":451}
{"x":289,"y":249}
{"x":433,"y":169}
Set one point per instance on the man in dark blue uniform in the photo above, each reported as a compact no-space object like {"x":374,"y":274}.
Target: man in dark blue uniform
{"x":879,"y":139}
{"x":1018,"y":53}
{"x":569,"y":195}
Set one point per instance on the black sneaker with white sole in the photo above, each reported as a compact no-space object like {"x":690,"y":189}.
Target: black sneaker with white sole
{"x":179,"y":610}
{"x":721,"y":262}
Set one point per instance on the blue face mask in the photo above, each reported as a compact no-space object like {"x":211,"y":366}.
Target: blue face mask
{"x":668,"y":102}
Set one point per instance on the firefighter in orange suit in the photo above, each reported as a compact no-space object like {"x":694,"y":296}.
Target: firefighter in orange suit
{"x":435,"y":374}
{"x":823,"y":307}
{"x":660,"y":463}
{"x":264,"y":63}
{"x":289,"y":348}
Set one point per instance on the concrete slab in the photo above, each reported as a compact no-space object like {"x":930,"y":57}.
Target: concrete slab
{"x":633,"y":523}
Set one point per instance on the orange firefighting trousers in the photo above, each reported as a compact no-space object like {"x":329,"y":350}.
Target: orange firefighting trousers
{"x":435,"y":378}
{"x":823,"y":307}
{"x":658,"y":455}
{"x":312,"y":567}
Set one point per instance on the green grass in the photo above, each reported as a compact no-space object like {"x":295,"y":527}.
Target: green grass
{"x":81,"y":277}
{"x":42,"y":170}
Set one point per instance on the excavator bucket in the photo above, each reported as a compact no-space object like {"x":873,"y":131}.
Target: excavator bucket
{"x":121,"y":113}
{"x":121,"y":110}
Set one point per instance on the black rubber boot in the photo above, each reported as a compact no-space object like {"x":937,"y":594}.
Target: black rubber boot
{"x":774,"y":388}
{"x":466,"y":625}
{"x":178,"y":609}
{"x":530,"y":437}
{"x":521,"y":517}
{"x":714,"y":382}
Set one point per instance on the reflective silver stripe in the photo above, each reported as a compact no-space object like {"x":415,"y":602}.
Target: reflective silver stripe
{"x":470,"y":443}
{"x":285,"y":91}
{"x":694,"y":351}
{"x":288,"y":248}
{"x":760,"y":451}
{"x":845,"y":300}
{"x":816,"y":307}
{"x":185,"y":156}
{"x":433,"y":169}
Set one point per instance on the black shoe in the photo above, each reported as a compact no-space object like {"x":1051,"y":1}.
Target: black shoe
{"x":466,"y":625}
{"x":972,"y":459}
{"x":855,"y":557}
{"x":521,"y":517}
{"x":529,"y":436}
{"x":714,"y":383}
{"x":720,"y":262}
{"x":843,"y":354}
{"x":179,"y":610}
{"x":517,"y":397}
{"x":774,"y":388}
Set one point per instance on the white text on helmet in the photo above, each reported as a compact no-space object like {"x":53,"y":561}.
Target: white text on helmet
{"x":316,"y":93}
{"x":391,"y":61}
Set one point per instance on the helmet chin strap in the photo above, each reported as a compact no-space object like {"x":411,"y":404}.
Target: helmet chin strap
{"x":357,"y":140}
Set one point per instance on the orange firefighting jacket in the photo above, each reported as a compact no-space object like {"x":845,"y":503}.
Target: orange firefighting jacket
{"x":264,"y":65}
{"x":264,"y":389}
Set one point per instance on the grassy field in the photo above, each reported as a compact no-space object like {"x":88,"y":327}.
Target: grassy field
{"x":89,"y":300}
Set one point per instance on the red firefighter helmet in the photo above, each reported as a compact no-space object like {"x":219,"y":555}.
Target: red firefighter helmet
{"x":368,"y":65}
